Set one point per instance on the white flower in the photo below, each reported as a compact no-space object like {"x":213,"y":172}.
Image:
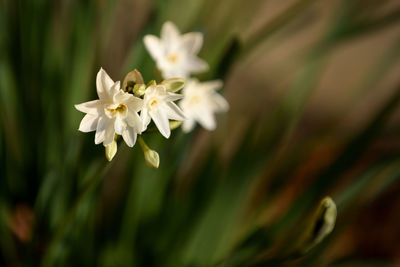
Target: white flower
{"x":200,"y":102}
{"x":175,"y":54}
{"x":158,"y":106}
{"x":115,"y":112}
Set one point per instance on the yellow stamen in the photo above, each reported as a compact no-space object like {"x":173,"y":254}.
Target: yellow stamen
{"x":195,"y":100}
{"x":121,"y":108}
{"x":172,"y":58}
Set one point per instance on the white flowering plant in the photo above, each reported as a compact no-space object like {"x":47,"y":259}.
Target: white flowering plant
{"x":126,"y":111}
{"x":314,"y":111}
{"x":116,"y":112}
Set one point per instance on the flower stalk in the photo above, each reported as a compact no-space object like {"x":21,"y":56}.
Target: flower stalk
{"x":151,"y":156}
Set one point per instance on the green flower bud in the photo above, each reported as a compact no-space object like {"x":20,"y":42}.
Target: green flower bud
{"x":139,"y":89}
{"x":111,"y":150}
{"x":174,"y":84}
{"x":174,"y":124}
{"x":322,"y":224}
{"x":326,"y":220}
{"x":150,"y":156}
{"x":152,"y":159}
{"x":152,"y":82}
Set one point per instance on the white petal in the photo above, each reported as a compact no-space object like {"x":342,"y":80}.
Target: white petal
{"x":129,"y":136}
{"x":212,"y":85}
{"x":170,"y":35}
{"x":153,"y":46}
{"x":191,"y":82}
{"x":206,"y":119}
{"x":121,"y":97}
{"x":135,"y":121}
{"x":103,"y":84}
{"x":160,"y":89}
{"x":173,"y":97}
{"x":221,"y":105}
{"x":115,"y":88}
{"x":174,"y":73}
{"x":100,"y":131}
{"x":88,"y":123}
{"x":109,"y":135}
{"x":145,"y":117}
{"x":151,"y":90}
{"x":134,"y":103}
{"x":119,"y":126}
{"x":195,"y":64}
{"x":188,"y":125}
{"x":91,"y":107}
{"x":174,"y":112}
{"x":162,"y":123}
{"x":192,"y":42}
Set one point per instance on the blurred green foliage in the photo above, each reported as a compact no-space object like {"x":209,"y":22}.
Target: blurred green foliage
{"x":240,"y":196}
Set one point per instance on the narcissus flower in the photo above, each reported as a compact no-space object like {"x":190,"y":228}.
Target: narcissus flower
{"x":200,"y":103}
{"x":159,"y":107}
{"x":115,"y":112}
{"x":176,"y":54}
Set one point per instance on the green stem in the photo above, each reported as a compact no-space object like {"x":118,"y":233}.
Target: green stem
{"x":143,"y":144}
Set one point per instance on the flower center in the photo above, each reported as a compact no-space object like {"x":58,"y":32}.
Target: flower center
{"x":153,"y":103}
{"x":194,"y":100}
{"x":120,"y":109}
{"x":172,"y":57}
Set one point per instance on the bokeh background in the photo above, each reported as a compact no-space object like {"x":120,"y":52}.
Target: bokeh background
{"x":314,"y":90}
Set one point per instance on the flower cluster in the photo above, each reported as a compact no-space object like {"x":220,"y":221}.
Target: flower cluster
{"x":176,"y":56}
{"x":126,"y":111}
{"x":116,"y":112}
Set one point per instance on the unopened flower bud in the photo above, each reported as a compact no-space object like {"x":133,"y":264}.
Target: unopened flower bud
{"x":152,"y":82}
{"x":111,"y":150}
{"x":174,"y":124}
{"x":321,"y":225}
{"x":132,"y":78}
{"x":139,"y":89}
{"x":325,"y":222}
{"x":174,"y":84}
{"x":150,"y":156}
{"x":152,"y":159}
